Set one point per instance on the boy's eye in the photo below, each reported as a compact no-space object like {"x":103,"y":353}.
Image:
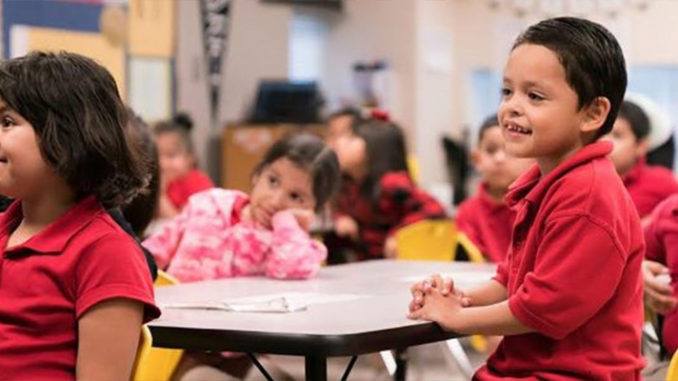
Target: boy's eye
{"x":505,"y":91}
{"x":535,"y":96}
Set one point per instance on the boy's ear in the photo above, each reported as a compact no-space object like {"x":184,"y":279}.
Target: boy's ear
{"x":595,"y":114}
{"x":642,"y":146}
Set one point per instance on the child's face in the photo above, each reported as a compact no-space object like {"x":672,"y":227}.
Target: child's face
{"x":351,"y":151}
{"x":281,"y":185}
{"x":174,"y":159}
{"x":337,"y":127}
{"x":539,"y":112}
{"x":627,"y":149}
{"x":23,"y":171}
{"x":497,"y":167}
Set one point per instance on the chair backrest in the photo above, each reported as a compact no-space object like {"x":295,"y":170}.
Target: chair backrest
{"x":427,"y":240}
{"x":413,"y":167}
{"x":155,"y":364}
{"x":672,"y":373}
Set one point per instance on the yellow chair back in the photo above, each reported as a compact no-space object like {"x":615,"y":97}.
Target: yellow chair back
{"x":413,"y":167}
{"x":434,"y":240}
{"x":156,"y":364}
{"x":672,"y":373}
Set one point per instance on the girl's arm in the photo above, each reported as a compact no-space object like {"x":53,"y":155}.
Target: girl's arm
{"x":294,"y":254}
{"x":108,"y":337}
{"x":163,"y":244}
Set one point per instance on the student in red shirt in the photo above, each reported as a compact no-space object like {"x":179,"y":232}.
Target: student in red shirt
{"x":486,"y":219}
{"x":378,"y":196}
{"x":648,"y":185}
{"x":568,"y":298}
{"x":179,"y":177}
{"x":74,"y":287}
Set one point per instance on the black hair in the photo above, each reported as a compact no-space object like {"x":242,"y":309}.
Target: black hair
{"x":489,"y":122}
{"x":76,"y":112}
{"x":353,"y":112}
{"x":637,"y":118}
{"x":312,"y":154}
{"x":385,"y":150}
{"x":591,"y":56}
{"x":139,"y":212}
{"x":181,"y":124}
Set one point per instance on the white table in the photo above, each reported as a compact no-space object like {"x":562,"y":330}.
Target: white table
{"x":374,"y":321}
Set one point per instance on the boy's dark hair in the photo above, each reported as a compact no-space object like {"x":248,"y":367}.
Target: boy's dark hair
{"x":591,"y":56}
{"x":385,"y":150}
{"x":637,"y":118}
{"x":139,"y":212}
{"x":74,"y":107}
{"x":353,"y":112}
{"x":310,"y":153}
{"x":181,"y":124}
{"x":490,"y":121}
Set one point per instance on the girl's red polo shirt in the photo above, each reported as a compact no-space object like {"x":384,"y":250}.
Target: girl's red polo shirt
{"x":48,"y":282}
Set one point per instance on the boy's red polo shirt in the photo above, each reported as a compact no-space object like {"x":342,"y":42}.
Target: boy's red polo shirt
{"x":573,"y":274}
{"x":661,"y":237}
{"x":487,"y":223}
{"x":649,"y":185}
{"x":48,"y":282}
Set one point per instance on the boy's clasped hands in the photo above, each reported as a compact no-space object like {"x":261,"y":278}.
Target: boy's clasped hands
{"x":436,"y":299}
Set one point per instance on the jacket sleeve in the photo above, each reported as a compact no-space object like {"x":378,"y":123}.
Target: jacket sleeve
{"x":294,"y":254}
{"x":163,"y":244}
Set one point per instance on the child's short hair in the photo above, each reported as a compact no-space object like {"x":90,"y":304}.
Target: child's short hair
{"x":181,"y":124}
{"x":311,"y":153}
{"x":385,"y":150}
{"x":591,"y":56}
{"x":490,"y":121}
{"x":353,"y":112}
{"x":637,"y":118}
{"x":74,"y":107}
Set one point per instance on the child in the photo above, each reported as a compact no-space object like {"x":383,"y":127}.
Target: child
{"x":74,"y":288}
{"x":226,"y":233}
{"x":485,"y":218}
{"x":568,"y":298}
{"x":179,"y":177}
{"x":341,"y":123}
{"x":378,"y":196}
{"x":647,"y":185}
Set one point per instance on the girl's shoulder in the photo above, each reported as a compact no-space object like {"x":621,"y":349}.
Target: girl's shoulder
{"x":217,"y":200}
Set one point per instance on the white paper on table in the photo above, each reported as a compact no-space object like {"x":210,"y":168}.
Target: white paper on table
{"x":280,"y":302}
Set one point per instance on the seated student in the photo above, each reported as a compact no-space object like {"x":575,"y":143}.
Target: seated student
{"x":179,"y":177}
{"x":75,"y":289}
{"x":378,"y":196}
{"x":226,"y":233}
{"x":568,"y":297}
{"x":661,"y":238}
{"x":486,"y":219}
{"x":647,"y":185}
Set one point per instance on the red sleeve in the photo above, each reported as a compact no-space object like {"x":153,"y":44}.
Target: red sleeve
{"x":655,"y":249}
{"x":178,"y":191}
{"x":567,"y":286}
{"x":413,"y":204}
{"x":113,"y":267}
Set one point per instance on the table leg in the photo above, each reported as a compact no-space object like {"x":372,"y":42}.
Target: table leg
{"x":316,"y":368}
{"x":401,"y":364}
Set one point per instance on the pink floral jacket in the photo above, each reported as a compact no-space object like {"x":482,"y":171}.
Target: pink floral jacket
{"x":203,"y":243}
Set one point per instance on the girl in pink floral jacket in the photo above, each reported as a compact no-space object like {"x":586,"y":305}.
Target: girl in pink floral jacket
{"x":225,"y":233}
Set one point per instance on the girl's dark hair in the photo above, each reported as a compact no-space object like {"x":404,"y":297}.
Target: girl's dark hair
{"x":181,"y":124}
{"x":490,"y":121}
{"x":310,"y":153}
{"x":74,"y":107}
{"x":637,"y":118}
{"x":139,"y":212}
{"x":591,"y":56}
{"x":385,"y":150}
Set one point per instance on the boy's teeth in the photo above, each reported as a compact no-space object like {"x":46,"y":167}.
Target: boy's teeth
{"x":518,"y":129}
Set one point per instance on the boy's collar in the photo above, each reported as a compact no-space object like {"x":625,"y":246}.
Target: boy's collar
{"x":532,"y":187}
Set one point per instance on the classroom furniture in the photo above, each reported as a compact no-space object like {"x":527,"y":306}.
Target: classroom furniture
{"x":244,"y":145}
{"x":672,"y":373}
{"x":354,"y":309}
{"x":156,"y":364}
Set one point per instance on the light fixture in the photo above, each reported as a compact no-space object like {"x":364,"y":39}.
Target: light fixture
{"x":610,"y":8}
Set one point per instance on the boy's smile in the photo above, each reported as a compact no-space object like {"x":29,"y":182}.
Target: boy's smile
{"x":539,"y":112}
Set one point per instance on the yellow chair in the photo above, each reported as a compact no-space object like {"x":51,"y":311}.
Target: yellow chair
{"x":434,"y":240}
{"x":413,"y":167}
{"x":672,"y":373}
{"x":156,"y":364}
